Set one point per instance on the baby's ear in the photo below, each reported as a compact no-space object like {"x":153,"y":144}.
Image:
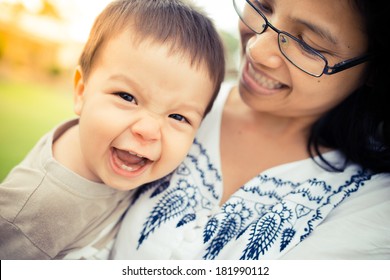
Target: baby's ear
{"x":78,"y":90}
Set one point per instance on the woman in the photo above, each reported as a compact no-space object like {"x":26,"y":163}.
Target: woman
{"x":293,"y":161}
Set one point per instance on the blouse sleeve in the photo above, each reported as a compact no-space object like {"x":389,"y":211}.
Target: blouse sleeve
{"x":359,"y":228}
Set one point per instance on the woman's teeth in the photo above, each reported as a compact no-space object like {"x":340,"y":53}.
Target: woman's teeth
{"x":262,"y":80}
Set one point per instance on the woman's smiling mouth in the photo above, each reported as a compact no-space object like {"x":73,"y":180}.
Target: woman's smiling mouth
{"x":263,"y":80}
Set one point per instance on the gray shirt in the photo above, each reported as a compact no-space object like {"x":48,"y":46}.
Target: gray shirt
{"x":49,"y":212}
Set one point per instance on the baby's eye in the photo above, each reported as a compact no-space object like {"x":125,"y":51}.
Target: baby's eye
{"x":179,"y":118}
{"x":127,"y":97}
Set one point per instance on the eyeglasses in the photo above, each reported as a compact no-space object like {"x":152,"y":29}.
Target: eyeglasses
{"x":294,"y":50}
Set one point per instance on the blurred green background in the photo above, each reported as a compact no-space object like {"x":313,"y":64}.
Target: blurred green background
{"x":27,"y":111}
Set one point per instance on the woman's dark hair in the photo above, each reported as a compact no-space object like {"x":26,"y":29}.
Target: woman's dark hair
{"x":359,"y":127}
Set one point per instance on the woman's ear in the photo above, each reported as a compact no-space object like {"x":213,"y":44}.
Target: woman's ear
{"x":78,"y":90}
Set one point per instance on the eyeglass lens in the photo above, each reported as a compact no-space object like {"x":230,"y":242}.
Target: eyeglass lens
{"x":297,"y":52}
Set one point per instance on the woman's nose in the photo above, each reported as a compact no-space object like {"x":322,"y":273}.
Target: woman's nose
{"x":263,"y":49}
{"x":147,"y":128}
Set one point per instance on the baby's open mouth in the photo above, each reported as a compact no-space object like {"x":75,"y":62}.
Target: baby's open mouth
{"x":129,"y":161}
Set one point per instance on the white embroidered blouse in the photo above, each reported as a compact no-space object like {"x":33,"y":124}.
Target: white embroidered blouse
{"x":293,"y":211}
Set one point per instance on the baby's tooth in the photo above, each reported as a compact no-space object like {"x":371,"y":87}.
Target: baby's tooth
{"x":127,"y":168}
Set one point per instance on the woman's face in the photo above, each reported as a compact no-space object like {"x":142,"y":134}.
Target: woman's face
{"x":270,"y":83}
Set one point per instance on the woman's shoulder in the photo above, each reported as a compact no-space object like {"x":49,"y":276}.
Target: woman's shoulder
{"x":358,"y":228}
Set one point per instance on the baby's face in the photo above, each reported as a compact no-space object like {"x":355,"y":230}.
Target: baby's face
{"x":139,"y":111}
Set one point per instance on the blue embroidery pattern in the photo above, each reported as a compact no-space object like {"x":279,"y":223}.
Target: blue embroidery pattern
{"x":234,"y":216}
{"x":180,"y":198}
{"x":266,"y":217}
{"x":175,"y":202}
{"x":204,"y":168}
{"x":265,"y":232}
{"x":356,"y":181}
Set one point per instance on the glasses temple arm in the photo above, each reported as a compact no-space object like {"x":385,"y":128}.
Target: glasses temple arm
{"x":346,"y":64}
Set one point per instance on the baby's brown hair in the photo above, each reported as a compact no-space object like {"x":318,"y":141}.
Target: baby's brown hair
{"x":177,"y":23}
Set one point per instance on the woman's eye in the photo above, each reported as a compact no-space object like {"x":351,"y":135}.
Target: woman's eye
{"x":309,"y":51}
{"x":306,"y":48}
{"x":179,"y":118}
{"x":262,"y":7}
{"x":127,"y":97}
